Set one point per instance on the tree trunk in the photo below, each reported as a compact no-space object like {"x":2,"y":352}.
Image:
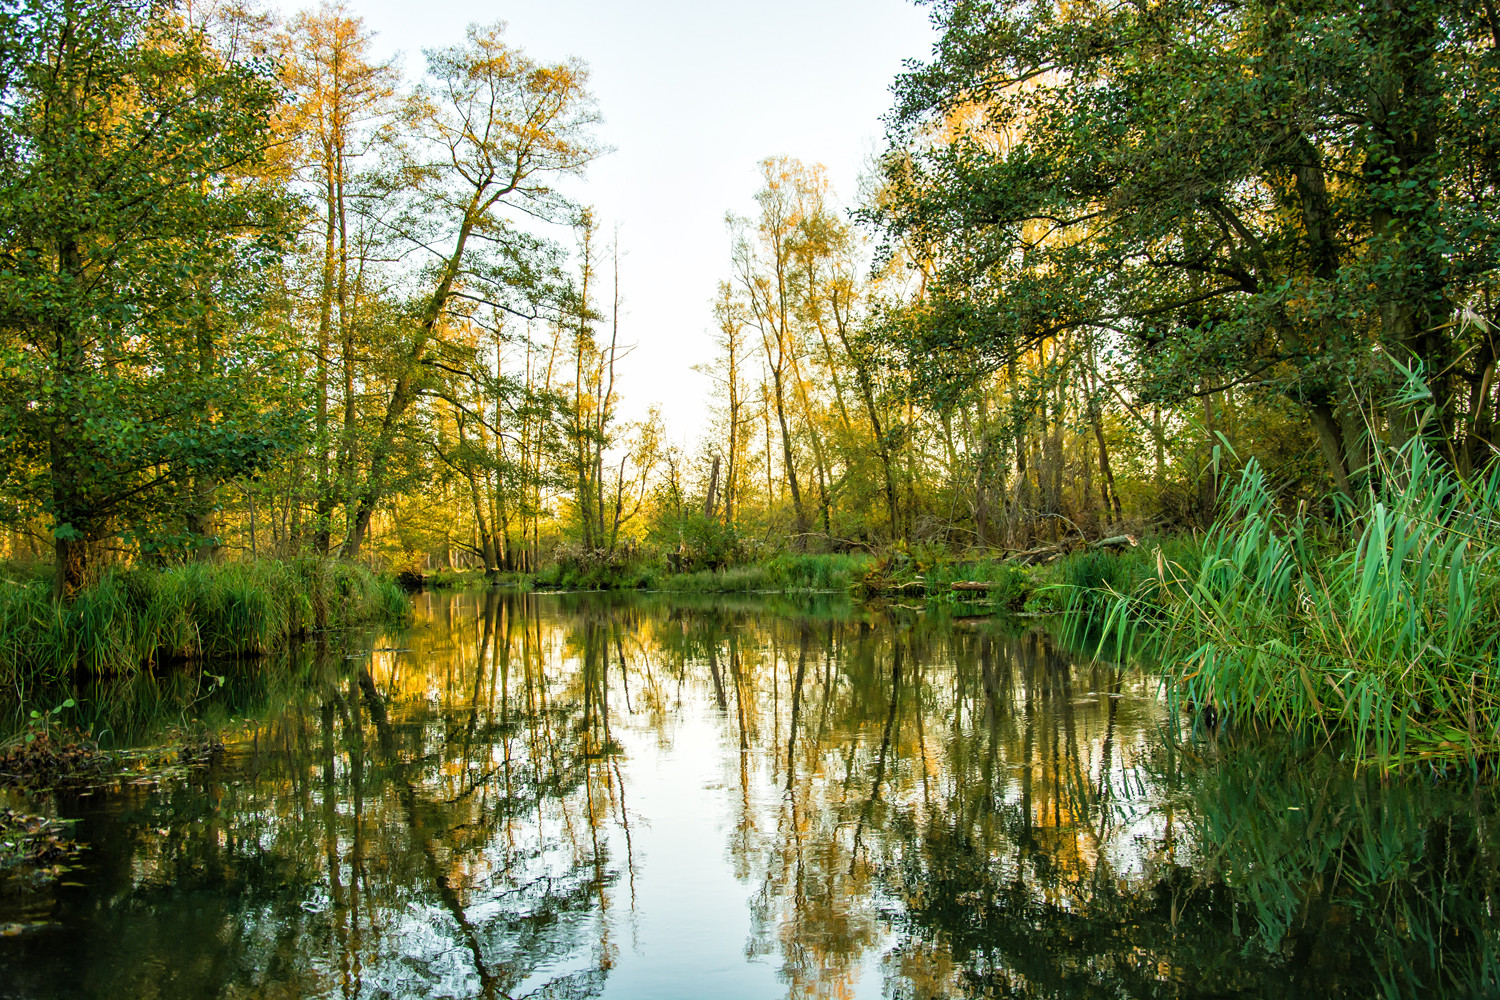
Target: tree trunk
{"x":1104,"y":466}
{"x":713,"y":488}
{"x":799,"y":541}
{"x":322,"y":531}
{"x":404,"y":393}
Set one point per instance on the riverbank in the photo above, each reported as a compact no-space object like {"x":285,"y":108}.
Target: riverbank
{"x":788,"y":573}
{"x":895,"y":575}
{"x":140,"y":617}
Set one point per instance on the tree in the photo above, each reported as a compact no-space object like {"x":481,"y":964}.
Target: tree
{"x":490,"y":129}
{"x":135,"y":229}
{"x":1287,"y":198}
{"x":344,"y":108}
{"x":728,"y":376}
{"x":764,"y":269}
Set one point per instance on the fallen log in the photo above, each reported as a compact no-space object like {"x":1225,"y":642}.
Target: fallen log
{"x":1116,"y":542}
{"x":1041,"y":556}
{"x":979,"y":585}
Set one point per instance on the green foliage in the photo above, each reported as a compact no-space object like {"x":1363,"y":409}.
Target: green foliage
{"x":1270,"y":195}
{"x":735,"y":580}
{"x":138,"y":230}
{"x":814,"y":572}
{"x":1092,"y":580}
{"x":139,"y":617}
{"x":40,"y":723}
{"x":785,"y":573}
{"x":602,"y":575}
{"x":698,"y":542}
{"x":1016,"y":585}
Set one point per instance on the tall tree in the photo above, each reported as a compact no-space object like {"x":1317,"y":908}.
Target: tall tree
{"x":491,"y":129}
{"x":344,"y":106}
{"x":135,"y":230}
{"x":1290,"y":198}
{"x":764,"y":267}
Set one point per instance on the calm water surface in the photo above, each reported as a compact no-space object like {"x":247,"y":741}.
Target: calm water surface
{"x":567,"y":796}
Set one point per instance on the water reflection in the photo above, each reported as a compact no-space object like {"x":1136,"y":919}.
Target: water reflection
{"x":573,"y":796}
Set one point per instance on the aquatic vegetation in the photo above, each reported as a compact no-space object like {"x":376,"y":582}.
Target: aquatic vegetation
{"x":1384,"y":632}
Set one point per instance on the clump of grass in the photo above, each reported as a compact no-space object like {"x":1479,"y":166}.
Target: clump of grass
{"x":597,"y":576}
{"x":783,"y":574}
{"x":787,"y":573}
{"x":735,"y":580}
{"x":831,"y":571}
{"x":137,"y":617}
{"x":1090,"y":581}
{"x":1385,"y":633}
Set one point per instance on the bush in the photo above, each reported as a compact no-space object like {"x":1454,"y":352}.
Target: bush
{"x":693,"y":542}
{"x":815,"y":572}
{"x":1013,"y":586}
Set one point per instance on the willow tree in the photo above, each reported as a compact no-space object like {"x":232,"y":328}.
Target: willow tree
{"x":490,"y":132}
{"x":134,"y":237}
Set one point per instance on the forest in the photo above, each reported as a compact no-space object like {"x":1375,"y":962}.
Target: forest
{"x":1214,"y":279}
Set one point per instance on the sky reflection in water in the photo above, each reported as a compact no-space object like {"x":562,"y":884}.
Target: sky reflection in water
{"x":557,"y":796}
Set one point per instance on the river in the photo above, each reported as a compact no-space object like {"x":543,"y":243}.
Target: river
{"x":635,"y":796}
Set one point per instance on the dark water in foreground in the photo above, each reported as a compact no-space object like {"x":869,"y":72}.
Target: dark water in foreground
{"x":579,"y":796}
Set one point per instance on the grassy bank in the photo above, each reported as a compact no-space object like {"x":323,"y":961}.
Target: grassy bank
{"x":138,"y":617}
{"x":863,"y":575}
{"x":783,"y":574}
{"x":786,"y":573}
{"x":1382,"y":631}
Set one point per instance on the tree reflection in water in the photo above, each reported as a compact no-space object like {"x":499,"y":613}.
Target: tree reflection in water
{"x":505,"y":805}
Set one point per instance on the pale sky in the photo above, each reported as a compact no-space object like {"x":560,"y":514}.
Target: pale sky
{"x":694,"y":95}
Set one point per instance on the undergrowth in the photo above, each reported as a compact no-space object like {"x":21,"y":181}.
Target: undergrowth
{"x":787,"y":573}
{"x":1012,"y":587}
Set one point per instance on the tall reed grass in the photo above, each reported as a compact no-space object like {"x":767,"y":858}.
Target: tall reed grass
{"x":138,"y":617}
{"x":1382,"y":631}
{"x":786,"y":573}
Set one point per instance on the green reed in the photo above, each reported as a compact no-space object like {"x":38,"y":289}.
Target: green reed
{"x":138,"y":617}
{"x":785,"y":573}
{"x":1383,"y":632}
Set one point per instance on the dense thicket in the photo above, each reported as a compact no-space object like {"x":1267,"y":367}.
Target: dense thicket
{"x":1282,"y":204}
{"x":137,"y":216}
